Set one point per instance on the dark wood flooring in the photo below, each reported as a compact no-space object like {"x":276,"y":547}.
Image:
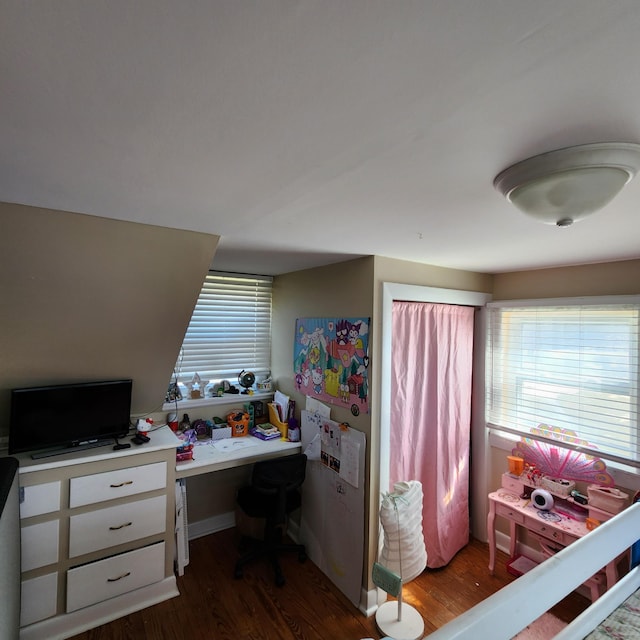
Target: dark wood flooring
{"x":213,"y":605}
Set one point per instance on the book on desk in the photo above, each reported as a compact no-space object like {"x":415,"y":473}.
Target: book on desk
{"x":265,"y":431}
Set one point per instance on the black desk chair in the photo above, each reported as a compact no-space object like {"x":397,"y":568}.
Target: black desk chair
{"x":273,"y":494}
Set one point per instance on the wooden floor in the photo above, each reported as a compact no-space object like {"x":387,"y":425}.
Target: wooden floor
{"x":214,"y":606}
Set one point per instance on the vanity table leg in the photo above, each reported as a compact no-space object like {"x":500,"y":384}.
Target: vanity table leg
{"x":491,"y":518}
{"x":513,"y":538}
{"x":611,"y":570}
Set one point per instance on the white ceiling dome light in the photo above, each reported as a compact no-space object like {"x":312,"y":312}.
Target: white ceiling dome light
{"x":561,"y":187}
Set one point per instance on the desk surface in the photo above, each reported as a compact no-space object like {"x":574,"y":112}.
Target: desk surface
{"x":240,"y":451}
{"x":551,"y":518}
{"x":206,"y":456}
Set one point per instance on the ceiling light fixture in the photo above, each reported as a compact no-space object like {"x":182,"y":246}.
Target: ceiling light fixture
{"x":561,"y":187}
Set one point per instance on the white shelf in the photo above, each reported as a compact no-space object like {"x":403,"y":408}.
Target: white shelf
{"x":226,"y":399}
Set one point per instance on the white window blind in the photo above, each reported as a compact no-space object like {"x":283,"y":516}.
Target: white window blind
{"x":230,"y":329}
{"x":570,"y":366}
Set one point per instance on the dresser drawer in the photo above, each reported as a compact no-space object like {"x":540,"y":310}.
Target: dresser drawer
{"x":547,"y":547}
{"x":510,"y":512}
{"x":39,"y":544}
{"x":39,"y":598}
{"x":549,"y":532}
{"x":39,"y":498}
{"x":109,"y":527}
{"x":117,"y":484}
{"x":98,"y":581}
{"x":512,"y":484}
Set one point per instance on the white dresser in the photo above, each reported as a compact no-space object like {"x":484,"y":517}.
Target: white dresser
{"x":96,"y":535}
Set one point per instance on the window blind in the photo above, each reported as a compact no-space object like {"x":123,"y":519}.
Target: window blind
{"x":569,"y":366}
{"x":230,"y":329}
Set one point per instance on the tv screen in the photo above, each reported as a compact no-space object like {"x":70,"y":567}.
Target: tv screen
{"x":69,"y":415}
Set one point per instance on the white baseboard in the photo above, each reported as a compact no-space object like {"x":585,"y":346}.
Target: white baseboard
{"x":214,"y":524}
{"x":227,"y":520}
{"x":371,"y":600}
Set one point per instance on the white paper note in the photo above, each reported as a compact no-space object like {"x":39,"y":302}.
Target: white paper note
{"x":349,"y":457}
{"x":315,"y":406}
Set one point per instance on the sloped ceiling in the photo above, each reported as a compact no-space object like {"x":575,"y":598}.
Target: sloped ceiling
{"x":305,"y":132}
{"x":86,"y":298}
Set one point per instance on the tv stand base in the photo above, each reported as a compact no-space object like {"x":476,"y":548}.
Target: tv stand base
{"x":62,"y":450}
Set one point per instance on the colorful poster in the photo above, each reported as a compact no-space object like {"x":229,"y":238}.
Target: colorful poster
{"x":331,"y":361}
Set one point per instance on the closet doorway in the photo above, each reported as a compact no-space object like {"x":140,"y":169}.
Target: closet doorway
{"x":394,"y":292}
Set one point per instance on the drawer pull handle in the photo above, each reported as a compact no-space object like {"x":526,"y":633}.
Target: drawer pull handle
{"x":122,"y":484}
{"x":121,"y":526}
{"x":124,"y":575}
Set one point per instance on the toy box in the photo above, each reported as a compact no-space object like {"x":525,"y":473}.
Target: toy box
{"x":558,"y":487}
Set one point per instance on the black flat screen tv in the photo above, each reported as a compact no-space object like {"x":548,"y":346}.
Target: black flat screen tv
{"x":57,"y":418}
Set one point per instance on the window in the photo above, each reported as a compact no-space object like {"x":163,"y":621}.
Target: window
{"x":570,"y":366}
{"x":230,"y":329}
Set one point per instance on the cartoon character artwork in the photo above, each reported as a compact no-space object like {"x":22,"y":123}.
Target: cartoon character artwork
{"x":316,"y":377}
{"x":331,"y":360}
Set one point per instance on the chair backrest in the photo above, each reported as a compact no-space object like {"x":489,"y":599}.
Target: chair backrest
{"x":278,"y":477}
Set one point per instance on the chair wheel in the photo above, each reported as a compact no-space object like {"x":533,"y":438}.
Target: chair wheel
{"x":302,"y":556}
{"x":280,"y":581}
{"x":237,"y":574}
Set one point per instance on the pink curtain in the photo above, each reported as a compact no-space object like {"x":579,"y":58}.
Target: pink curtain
{"x":432,"y":349}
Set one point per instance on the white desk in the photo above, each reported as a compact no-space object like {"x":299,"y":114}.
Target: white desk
{"x":207,"y":458}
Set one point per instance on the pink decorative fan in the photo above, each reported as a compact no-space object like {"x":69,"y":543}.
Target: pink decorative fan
{"x":561,"y":463}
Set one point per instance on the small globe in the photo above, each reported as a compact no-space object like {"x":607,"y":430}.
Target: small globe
{"x":246,"y":379}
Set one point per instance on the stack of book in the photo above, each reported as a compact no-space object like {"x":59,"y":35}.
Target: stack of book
{"x":265,"y":431}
